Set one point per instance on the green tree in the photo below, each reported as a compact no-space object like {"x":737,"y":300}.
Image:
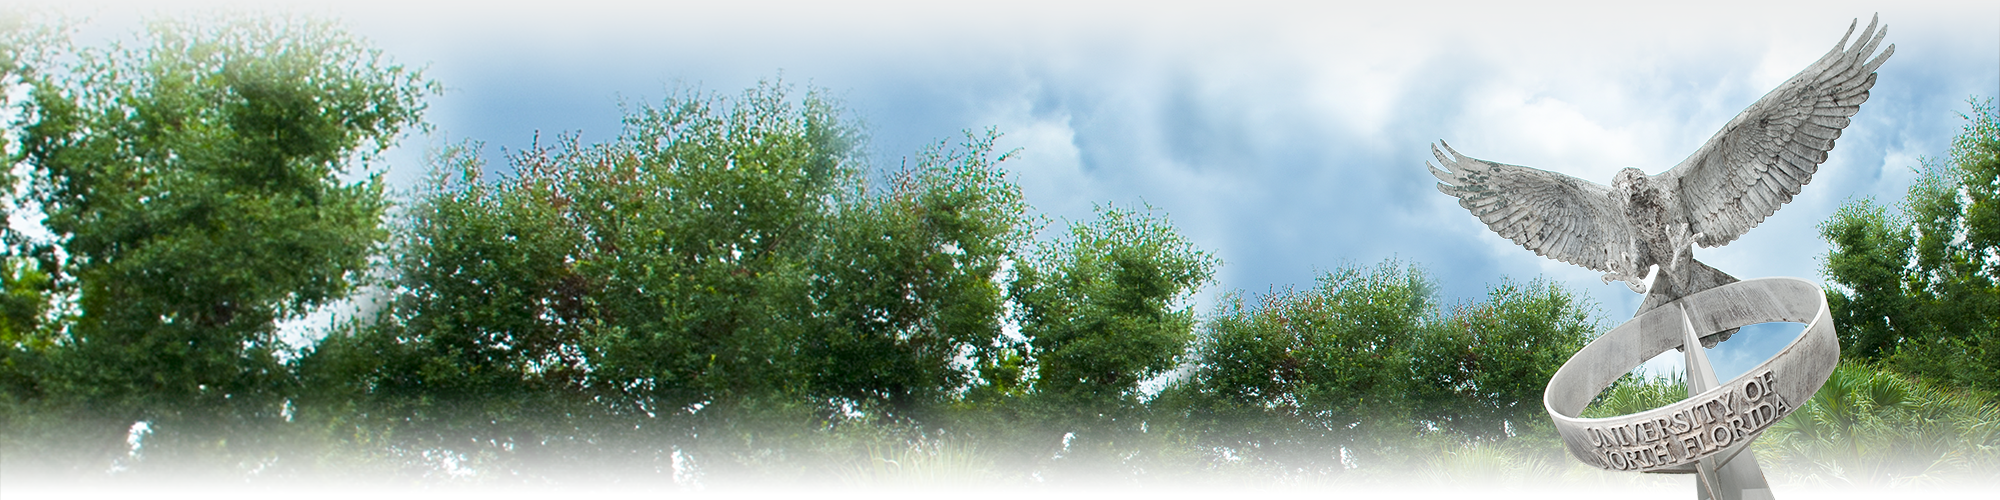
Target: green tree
{"x":654,"y":281}
{"x":1296,"y":377}
{"x":1919,"y":287}
{"x":25,"y":45}
{"x":200,"y":189}
{"x":480,"y":337}
{"x":25,"y":339}
{"x":908,"y":281}
{"x":718,"y":274}
{"x":1102,"y":309}
{"x":1481,"y":372}
{"x":1363,"y":370}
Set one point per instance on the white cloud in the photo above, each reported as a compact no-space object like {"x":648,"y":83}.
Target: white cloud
{"x":1047,"y":164}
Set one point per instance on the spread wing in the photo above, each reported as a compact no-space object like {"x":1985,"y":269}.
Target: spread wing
{"x":1557,"y":216}
{"x":1761,"y":159}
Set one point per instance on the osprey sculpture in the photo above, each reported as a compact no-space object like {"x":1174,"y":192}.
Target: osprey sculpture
{"x":1754,"y":165}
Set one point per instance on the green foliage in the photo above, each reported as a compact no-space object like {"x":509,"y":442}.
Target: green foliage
{"x":1633,"y":394}
{"x":1305,"y":377}
{"x":1920,"y":287}
{"x":1102,"y":308}
{"x":1872,"y":427}
{"x":908,"y":280}
{"x":1871,"y":249}
{"x":1364,"y":368}
{"x":25,"y":44}
{"x":22,"y":306}
{"x":717,"y":275}
{"x":471,"y":343}
{"x":1482,"y":371}
{"x":198,"y":192}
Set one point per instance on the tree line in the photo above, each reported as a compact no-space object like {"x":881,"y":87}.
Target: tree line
{"x":726,"y":290}
{"x":1918,"y":282}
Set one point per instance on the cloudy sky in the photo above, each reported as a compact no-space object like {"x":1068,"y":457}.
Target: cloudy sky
{"x":1287,"y":138}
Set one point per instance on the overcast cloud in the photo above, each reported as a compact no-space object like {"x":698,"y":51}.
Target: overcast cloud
{"x":1286,"y":138}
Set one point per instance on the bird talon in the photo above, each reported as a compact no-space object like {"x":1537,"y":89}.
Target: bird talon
{"x":1636,"y":284}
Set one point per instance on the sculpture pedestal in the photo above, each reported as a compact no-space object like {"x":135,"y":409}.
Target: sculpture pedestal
{"x":1708,"y":433}
{"x":1739,"y":479}
{"x":1717,"y":478}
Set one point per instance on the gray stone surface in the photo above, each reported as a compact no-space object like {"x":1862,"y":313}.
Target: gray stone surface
{"x":1732,"y":476}
{"x":1720,"y":420}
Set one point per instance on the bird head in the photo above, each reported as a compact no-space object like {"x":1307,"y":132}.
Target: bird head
{"x":1629,"y":180}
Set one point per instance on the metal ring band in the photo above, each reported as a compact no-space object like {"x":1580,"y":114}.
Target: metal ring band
{"x":1719,"y":422}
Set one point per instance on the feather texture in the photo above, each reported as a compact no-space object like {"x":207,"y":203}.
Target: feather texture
{"x":1763,"y":156}
{"x":1555,"y":215}
{"x":1752,"y":167}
